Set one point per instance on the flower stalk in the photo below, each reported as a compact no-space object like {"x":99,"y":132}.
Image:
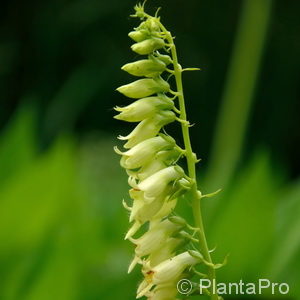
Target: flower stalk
{"x":157,"y":181}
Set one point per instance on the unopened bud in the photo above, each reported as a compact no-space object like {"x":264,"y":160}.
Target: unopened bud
{"x":166,"y":59}
{"x":145,"y":67}
{"x":148,"y":46}
{"x":144,"y":87}
{"x":139,"y":35}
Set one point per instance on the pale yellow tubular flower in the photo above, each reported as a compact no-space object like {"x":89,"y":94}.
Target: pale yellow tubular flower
{"x":167,"y":251}
{"x":144,"y":108}
{"x":162,"y":160}
{"x":143,"y":152}
{"x":169,"y":271}
{"x":156,"y":236}
{"x":148,"y":128}
{"x":156,"y":184}
{"x":165,"y":210}
{"x":141,"y":211}
{"x":154,"y":211}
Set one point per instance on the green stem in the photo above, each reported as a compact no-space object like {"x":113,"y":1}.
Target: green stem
{"x":191,"y":163}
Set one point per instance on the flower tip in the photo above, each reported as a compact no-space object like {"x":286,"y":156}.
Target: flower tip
{"x":117,"y":108}
{"x":126,"y":206}
{"x":144,"y":291}
{"x":116,"y":149}
{"x":133,"y":264}
{"x":120,"y":89}
{"x":117,"y":117}
{"x":122,"y":138}
{"x":134,"y":228}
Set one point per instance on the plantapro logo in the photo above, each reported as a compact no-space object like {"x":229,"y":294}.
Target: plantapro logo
{"x":260,"y":287}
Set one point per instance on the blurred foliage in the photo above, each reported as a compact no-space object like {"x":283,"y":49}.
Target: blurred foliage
{"x":57,"y":236}
{"x":61,"y":218}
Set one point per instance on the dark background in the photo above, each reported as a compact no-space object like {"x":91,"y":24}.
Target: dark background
{"x":49,"y":47}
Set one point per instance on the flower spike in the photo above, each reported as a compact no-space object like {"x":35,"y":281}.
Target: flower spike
{"x":163,"y":240}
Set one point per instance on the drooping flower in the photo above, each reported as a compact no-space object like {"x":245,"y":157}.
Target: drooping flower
{"x":156,"y":236}
{"x":169,"y":271}
{"x":143,"y":152}
{"x":144,"y":108}
{"x":148,"y":128}
{"x":156,"y":184}
{"x":144,"y":87}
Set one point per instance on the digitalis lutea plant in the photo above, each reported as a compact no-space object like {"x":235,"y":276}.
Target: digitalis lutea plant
{"x":166,"y":251}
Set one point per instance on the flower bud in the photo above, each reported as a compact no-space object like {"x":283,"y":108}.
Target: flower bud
{"x":143,"y":152}
{"x":152,"y":25}
{"x":166,"y":209}
{"x":144,"y":87}
{"x":148,"y":46}
{"x":145,"y":67}
{"x":158,"y":182}
{"x":143,"y":108}
{"x":148,"y":128}
{"x":180,"y":187}
{"x":143,"y":25}
{"x":139,"y":35}
{"x":166,"y":59}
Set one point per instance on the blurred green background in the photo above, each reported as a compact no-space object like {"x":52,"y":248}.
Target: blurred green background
{"x":61,"y":219}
